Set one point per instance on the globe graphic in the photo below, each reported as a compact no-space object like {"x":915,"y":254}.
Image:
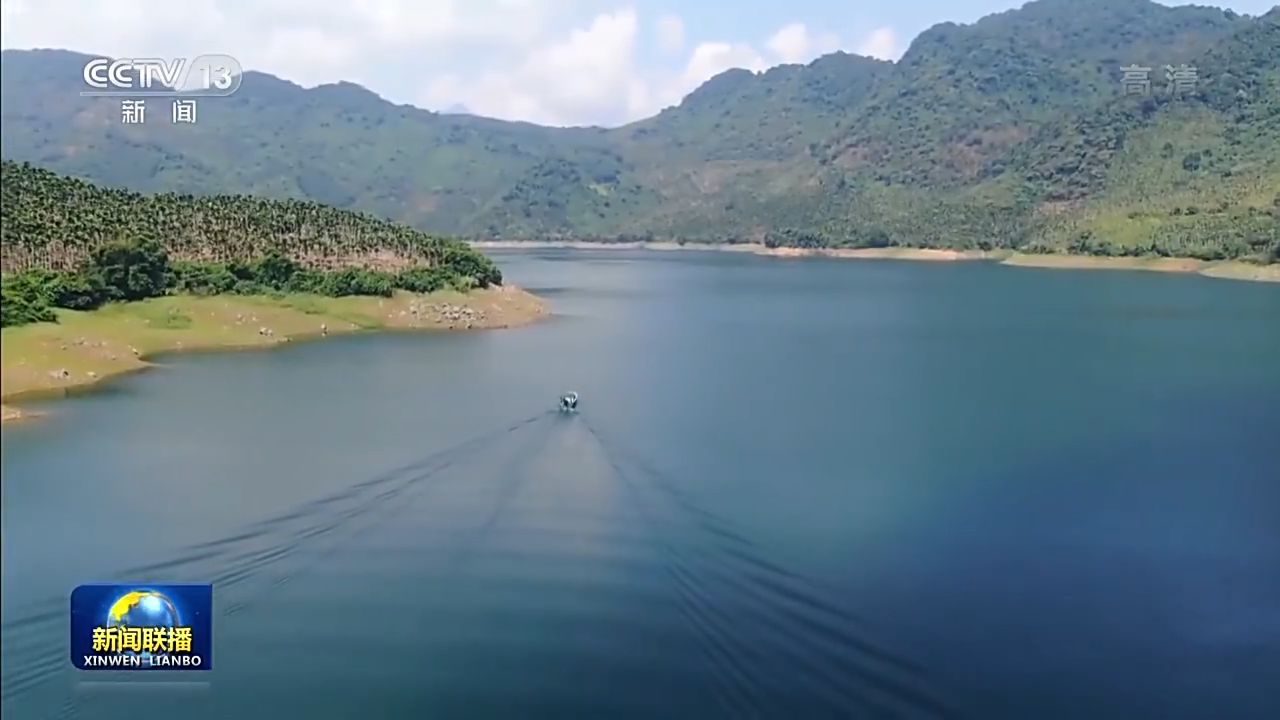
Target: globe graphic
{"x":143,"y":608}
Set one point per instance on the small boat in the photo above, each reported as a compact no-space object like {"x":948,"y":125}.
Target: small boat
{"x":569,"y":402}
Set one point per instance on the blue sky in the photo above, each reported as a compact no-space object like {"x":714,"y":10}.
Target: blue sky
{"x":755,"y":20}
{"x":559,"y":62}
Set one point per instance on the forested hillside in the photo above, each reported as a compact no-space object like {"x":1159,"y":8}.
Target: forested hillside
{"x":68,"y":243}
{"x":1010,"y":132}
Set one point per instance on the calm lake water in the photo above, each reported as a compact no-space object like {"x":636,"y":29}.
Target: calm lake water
{"x":796,"y":489}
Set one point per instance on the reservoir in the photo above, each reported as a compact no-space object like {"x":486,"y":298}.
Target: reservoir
{"x":797,"y":488}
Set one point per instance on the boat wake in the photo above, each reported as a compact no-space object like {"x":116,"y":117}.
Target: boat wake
{"x":597,"y":574}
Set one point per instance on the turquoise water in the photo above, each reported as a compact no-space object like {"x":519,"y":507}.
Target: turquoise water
{"x":798,"y":488}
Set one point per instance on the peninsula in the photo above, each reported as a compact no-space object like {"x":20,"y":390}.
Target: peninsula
{"x":96,"y":280}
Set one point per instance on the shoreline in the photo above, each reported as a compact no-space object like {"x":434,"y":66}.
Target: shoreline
{"x":1225,"y":269}
{"x":85,"y":349}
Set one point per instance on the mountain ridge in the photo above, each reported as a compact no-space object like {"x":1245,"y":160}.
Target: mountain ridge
{"x":1007,"y":132}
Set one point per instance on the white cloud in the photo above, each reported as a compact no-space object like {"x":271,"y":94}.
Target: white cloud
{"x":795,"y":44}
{"x":535,"y":60}
{"x":286,"y":46}
{"x":593,"y":74}
{"x":670,"y":29}
{"x":712,"y":58}
{"x":307,"y":41}
{"x":588,"y":74}
{"x":881,"y":43}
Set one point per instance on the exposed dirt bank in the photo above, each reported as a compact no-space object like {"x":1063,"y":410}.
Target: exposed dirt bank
{"x":84,"y":348}
{"x":1230,"y":270}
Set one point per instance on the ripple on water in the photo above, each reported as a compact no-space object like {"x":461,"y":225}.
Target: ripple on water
{"x":538,"y":570}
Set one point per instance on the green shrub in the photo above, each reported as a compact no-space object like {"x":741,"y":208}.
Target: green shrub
{"x":136,"y":270}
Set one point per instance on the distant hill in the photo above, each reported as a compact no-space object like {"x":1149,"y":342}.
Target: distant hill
{"x":1013,"y":131}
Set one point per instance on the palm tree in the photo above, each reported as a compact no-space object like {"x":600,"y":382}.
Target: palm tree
{"x":54,"y":222}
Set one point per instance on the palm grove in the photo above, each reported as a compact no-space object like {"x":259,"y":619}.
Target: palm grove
{"x":71,"y":244}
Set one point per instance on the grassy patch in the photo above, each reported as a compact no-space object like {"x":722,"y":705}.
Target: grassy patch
{"x":84,"y":347}
{"x":347,"y":310}
{"x":306,"y":304}
{"x":165,"y":318}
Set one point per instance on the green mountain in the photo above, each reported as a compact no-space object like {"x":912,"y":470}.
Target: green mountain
{"x":1014,"y":131}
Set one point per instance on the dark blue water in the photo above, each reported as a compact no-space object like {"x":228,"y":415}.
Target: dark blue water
{"x":795,"y":489}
